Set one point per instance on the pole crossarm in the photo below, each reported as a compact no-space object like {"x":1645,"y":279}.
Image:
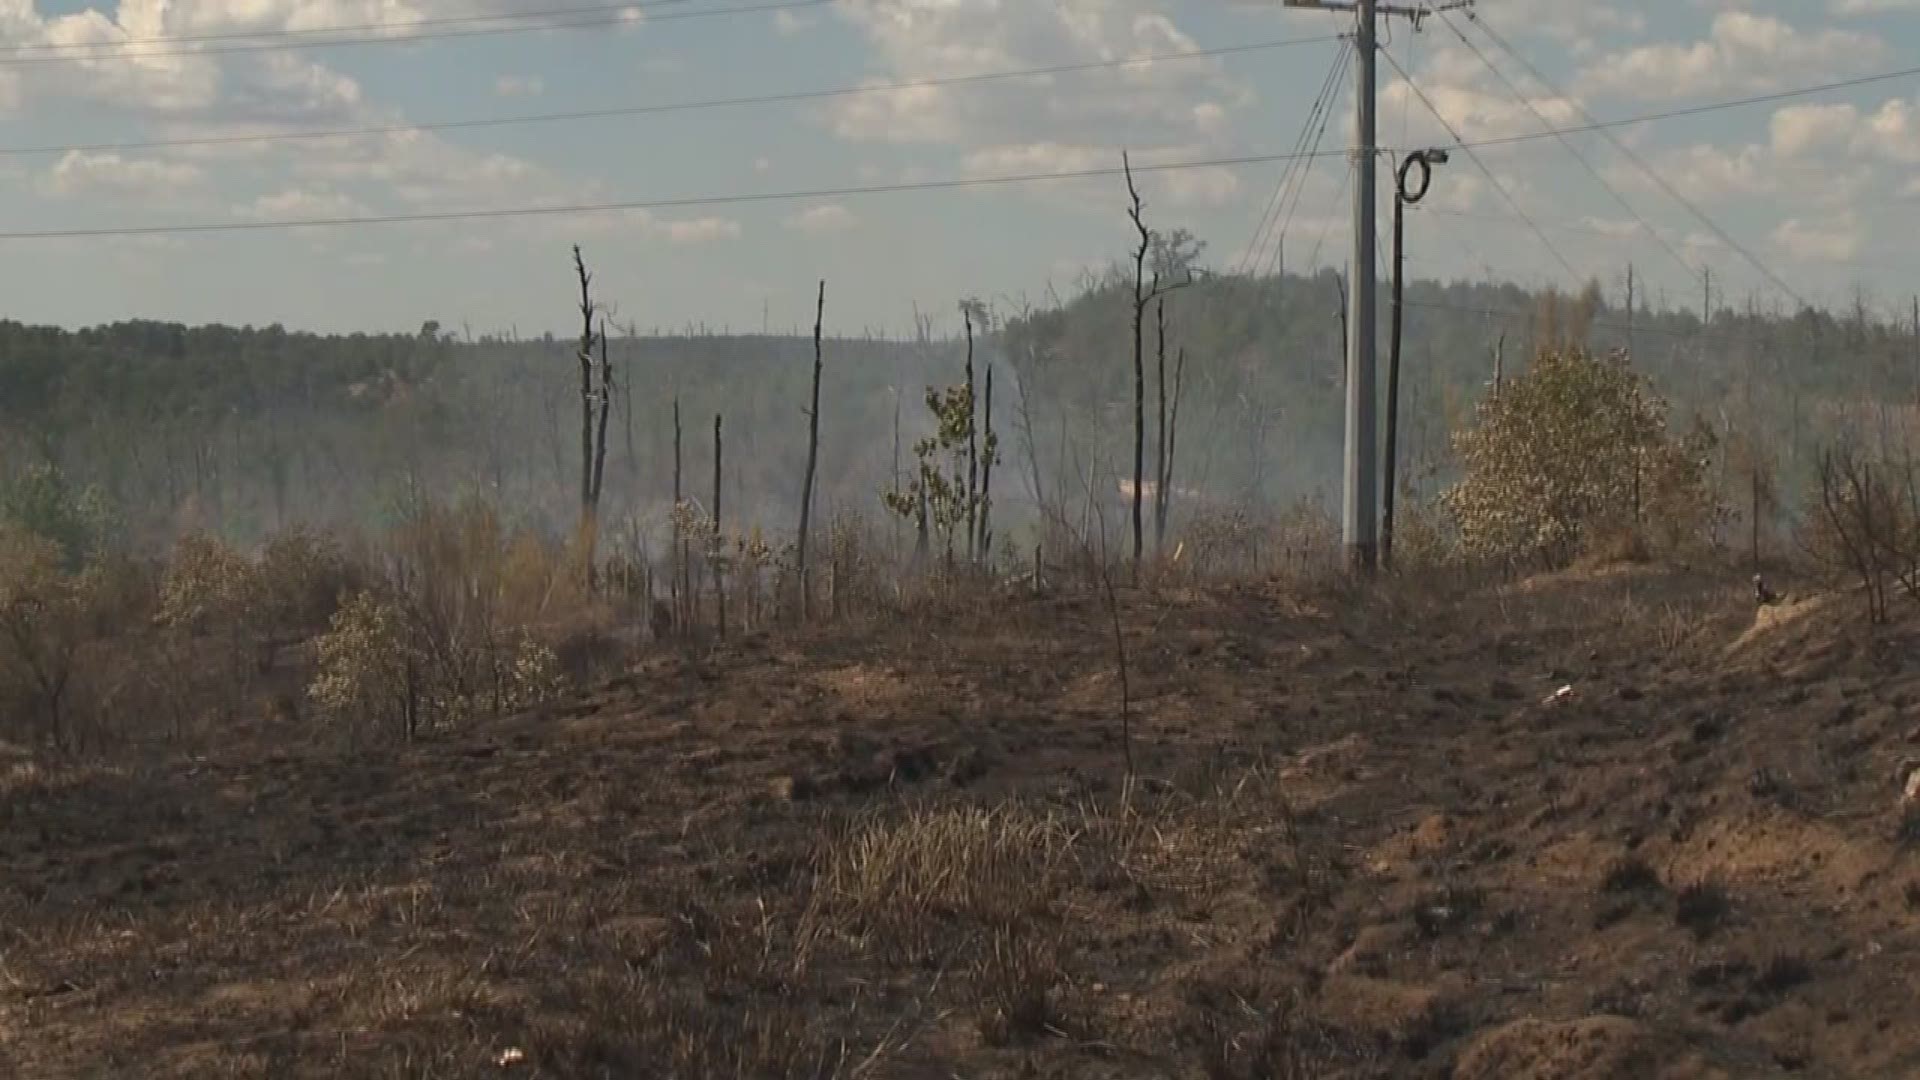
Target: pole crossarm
{"x":1415,"y":15}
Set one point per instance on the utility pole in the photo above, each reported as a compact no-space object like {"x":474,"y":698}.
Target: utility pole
{"x":1359,"y":509}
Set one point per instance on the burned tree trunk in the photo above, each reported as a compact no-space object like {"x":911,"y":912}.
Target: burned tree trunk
{"x":813,"y":459}
{"x":973,"y":446}
{"x":585,"y":356}
{"x":1160,"y":439}
{"x":606,"y":408}
{"x":986,"y":474}
{"x":682,"y":573}
{"x":1163,"y":494}
{"x":719,"y":540}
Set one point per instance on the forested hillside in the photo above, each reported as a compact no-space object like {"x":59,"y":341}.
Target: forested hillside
{"x":246,"y":430}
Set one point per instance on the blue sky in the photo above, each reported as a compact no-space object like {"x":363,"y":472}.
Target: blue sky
{"x":1822,"y":189}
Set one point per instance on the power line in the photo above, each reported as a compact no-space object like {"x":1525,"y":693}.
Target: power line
{"x":1406,"y":77}
{"x":928,"y":185}
{"x":403,"y":39}
{"x":1565,"y":142}
{"x":356,"y":28}
{"x":1810,"y":90}
{"x":1618,"y":236}
{"x":638,"y":204}
{"x":1269,"y":216}
{"x":1652,"y":173}
{"x":1300,"y":179}
{"x":646,"y":110}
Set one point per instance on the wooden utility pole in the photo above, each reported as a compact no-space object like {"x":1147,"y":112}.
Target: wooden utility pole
{"x":1359,"y":508}
{"x":813,"y":458}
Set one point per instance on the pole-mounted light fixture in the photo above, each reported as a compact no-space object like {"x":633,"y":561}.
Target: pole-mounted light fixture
{"x":1423,"y":162}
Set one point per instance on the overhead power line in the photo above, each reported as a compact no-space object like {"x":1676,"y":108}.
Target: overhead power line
{"x":611,"y":112}
{"x":1591,"y":124}
{"x":1566,"y":143}
{"x":1294,"y":173}
{"x":1406,"y":77}
{"x":1651,"y":172}
{"x":684,"y":202}
{"x":1225,"y":162}
{"x":642,"y":6}
{"x":111,"y":51}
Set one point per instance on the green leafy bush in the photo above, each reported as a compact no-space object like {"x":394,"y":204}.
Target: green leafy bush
{"x":1576,"y":448}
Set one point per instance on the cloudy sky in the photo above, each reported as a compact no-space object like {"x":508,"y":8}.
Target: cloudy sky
{"x":149,"y":115}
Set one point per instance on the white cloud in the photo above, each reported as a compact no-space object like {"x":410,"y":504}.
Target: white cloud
{"x":788,"y":23}
{"x":1837,"y":240}
{"x":825,"y":218}
{"x":303,"y":204}
{"x":1155,"y":104}
{"x":1743,"y":53}
{"x":702,"y":230}
{"x":80,"y":173}
{"x":1704,"y":171}
{"x":1871,"y":7}
{"x":519,"y":86}
{"x":1817,"y":133}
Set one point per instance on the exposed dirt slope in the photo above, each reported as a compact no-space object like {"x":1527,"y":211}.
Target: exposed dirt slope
{"x":1372,"y":840}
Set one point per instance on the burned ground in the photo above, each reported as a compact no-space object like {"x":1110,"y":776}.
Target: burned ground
{"x":1369,"y":836}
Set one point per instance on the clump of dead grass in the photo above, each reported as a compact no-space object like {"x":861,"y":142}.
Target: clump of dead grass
{"x":903,"y":885}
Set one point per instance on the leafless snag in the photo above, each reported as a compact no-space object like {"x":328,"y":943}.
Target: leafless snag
{"x":1864,"y":531}
{"x":1173,"y":434}
{"x":682,"y":573}
{"x":593,"y":451}
{"x":606,"y":408}
{"x":719,"y":541}
{"x":986,"y":475}
{"x":1144,"y":294}
{"x":973,"y":445}
{"x":813,"y":458}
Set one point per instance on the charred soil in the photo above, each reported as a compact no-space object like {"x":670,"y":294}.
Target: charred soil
{"x":1604,"y":824}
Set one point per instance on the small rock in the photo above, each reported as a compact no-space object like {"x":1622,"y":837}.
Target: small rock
{"x":1911,"y":799}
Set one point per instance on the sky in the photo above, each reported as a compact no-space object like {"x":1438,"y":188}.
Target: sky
{"x":118,"y":121}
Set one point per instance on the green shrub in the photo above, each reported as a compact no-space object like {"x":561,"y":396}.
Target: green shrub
{"x":1577,"y":446}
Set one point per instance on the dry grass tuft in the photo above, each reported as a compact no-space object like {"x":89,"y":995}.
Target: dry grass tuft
{"x":905,"y":885}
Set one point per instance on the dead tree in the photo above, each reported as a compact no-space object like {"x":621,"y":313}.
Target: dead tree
{"x":986,"y":474}
{"x":605,"y":396}
{"x":682,"y":574}
{"x":593,"y":441}
{"x":973,"y":444}
{"x":813,"y":458}
{"x":1169,"y":434}
{"x":1144,"y":295}
{"x":896,"y":469}
{"x":719,"y":541}
{"x":585,"y":356}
